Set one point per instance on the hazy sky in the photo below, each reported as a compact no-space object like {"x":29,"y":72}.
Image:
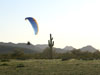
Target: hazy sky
{"x":71,"y":22}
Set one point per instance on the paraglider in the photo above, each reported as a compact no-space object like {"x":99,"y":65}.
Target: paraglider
{"x":33,"y":23}
{"x":28,"y":43}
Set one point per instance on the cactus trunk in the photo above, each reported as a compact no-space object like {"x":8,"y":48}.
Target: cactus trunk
{"x":51,"y":44}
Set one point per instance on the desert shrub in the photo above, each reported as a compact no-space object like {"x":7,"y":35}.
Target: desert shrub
{"x":21,"y":58}
{"x":64,"y":59}
{"x":20,"y":65}
{"x":4,"y":60}
{"x":5,"y":56}
{"x":4,"y":64}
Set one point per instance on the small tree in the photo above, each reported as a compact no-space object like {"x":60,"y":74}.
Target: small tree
{"x":51,"y":44}
{"x":18,"y":54}
{"x":46,"y":53}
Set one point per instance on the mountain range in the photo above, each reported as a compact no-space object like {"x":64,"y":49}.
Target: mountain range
{"x":10,"y":47}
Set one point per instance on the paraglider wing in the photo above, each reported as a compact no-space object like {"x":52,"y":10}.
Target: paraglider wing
{"x":33,"y":23}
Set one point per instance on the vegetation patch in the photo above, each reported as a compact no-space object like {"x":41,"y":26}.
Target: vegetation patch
{"x":50,"y":67}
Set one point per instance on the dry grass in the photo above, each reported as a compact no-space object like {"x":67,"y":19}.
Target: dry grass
{"x":51,"y":67}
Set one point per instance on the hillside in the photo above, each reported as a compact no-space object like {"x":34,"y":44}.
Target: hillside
{"x":88,"y":48}
{"x":10,"y":47}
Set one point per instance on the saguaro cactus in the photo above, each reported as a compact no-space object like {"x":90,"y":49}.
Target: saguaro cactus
{"x":51,"y":44}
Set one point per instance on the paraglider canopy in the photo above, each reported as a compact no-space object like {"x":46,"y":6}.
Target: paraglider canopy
{"x":34,"y":24}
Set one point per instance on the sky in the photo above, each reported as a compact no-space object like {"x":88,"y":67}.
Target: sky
{"x":71,"y":22}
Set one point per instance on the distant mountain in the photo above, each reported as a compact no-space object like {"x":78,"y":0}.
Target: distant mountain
{"x":69,"y":48}
{"x":64,"y":50}
{"x":42,"y":46}
{"x":9,"y":47}
{"x":59,"y":50}
{"x":88,"y":48}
